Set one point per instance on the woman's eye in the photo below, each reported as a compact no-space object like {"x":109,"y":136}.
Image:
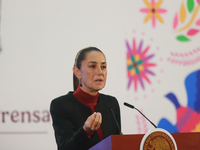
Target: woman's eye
{"x":92,"y":66}
{"x":103,"y":67}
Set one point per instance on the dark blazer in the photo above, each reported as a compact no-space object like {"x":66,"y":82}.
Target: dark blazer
{"x":69,"y":116}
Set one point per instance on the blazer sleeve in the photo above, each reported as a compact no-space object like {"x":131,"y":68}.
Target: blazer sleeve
{"x":66,"y":137}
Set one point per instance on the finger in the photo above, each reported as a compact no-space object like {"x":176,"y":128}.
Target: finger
{"x":100,"y":120}
{"x":91,"y":119}
{"x":89,"y":122}
{"x":97,"y":122}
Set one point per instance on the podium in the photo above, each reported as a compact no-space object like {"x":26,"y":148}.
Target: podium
{"x":184,"y":141}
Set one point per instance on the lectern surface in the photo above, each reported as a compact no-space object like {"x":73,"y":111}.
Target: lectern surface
{"x":184,"y":141}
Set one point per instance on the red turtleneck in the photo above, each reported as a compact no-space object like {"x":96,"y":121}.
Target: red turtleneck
{"x":90,"y":101}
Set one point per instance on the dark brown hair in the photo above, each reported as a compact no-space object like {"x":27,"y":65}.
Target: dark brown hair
{"x":81,"y":55}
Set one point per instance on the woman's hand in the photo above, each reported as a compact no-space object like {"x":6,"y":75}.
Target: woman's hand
{"x":93,"y":122}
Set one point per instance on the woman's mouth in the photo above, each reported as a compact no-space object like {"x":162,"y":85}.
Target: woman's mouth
{"x":99,"y":80}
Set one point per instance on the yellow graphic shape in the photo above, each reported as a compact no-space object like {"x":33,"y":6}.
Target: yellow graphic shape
{"x":191,"y":21}
{"x":197,"y":129}
{"x":182,"y":13}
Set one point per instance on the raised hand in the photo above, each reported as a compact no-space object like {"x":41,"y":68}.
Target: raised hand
{"x":93,"y":122}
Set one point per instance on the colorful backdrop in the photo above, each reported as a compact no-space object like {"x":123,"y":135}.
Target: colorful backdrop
{"x":152,"y":50}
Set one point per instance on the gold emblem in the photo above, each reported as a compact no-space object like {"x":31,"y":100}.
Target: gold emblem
{"x":158,"y":141}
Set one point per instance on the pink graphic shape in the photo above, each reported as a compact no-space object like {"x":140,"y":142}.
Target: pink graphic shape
{"x":198,"y":22}
{"x":145,"y":10}
{"x":192,"y":32}
{"x":145,"y":77}
{"x":158,"y":81}
{"x":175,"y":23}
{"x":153,"y":2}
{"x":141,"y":82}
{"x":144,"y":52}
{"x":160,"y":10}
{"x":134,"y":48}
{"x":141,"y":124}
{"x":135,"y":82}
{"x":154,"y":21}
{"x":187,"y":119}
{"x":185,"y":59}
{"x":138,"y":124}
{"x":146,"y":65}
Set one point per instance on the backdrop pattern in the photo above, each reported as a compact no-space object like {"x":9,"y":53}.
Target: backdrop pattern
{"x":152,"y":50}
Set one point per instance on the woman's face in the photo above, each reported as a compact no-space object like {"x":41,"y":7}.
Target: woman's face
{"x":93,"y":72}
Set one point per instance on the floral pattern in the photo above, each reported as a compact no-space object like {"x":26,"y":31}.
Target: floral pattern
{"x":153,"y":11}
{"x":188,"y":11}
{"x":138,"y":64}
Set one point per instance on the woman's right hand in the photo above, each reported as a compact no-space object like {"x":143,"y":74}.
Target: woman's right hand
{"x":93,"y":122}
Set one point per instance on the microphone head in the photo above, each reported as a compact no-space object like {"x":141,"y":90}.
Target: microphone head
{"x":129,"y":105}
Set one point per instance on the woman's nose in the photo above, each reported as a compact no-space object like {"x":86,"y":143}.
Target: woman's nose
{"x":99,"y":70}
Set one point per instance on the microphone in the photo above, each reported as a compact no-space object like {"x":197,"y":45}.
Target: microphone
{"x":131,"y":106}
{"x":115,"y":120}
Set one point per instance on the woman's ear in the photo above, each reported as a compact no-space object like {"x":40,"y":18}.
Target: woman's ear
{"x":77,"y":72}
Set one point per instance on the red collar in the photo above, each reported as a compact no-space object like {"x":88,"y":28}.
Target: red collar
{"x":85,"y":98}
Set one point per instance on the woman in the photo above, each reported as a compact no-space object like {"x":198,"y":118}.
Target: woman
{"x":84,"y":117}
